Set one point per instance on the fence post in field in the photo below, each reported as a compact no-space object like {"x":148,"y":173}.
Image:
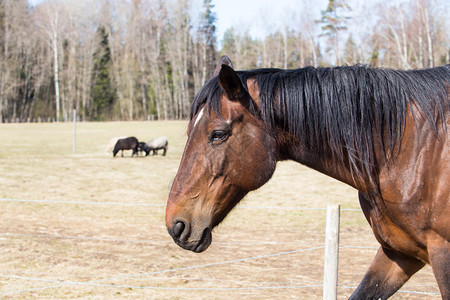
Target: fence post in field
{"x":331,"y":252}
{"x":74,"y":130}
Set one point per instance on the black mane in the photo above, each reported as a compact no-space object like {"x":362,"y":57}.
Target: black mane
{"x":343,"y":107}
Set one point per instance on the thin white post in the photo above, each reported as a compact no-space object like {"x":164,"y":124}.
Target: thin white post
{"x":74,"y":131}
{"x":331,"y":253}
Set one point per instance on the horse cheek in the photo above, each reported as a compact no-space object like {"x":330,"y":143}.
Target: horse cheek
{"x":259,"y":165}
{"x":265,"y":170}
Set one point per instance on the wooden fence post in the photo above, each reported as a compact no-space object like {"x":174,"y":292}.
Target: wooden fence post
{"x":331,"y":252}
{"x":74,"y":131}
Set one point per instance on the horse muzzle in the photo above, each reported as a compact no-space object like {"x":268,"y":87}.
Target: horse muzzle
{"x":190,"y":238}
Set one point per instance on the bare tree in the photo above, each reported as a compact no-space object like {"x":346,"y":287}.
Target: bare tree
{"x":178,"y":46}
{"x":241,"y":47}
{"x":413,"y":33}
{"x":51,"y":14}
{"x":306,"y":35}
{"x":7,"y":85}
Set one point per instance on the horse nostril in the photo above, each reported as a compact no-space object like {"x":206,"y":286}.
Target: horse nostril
{"x":178,"y":229}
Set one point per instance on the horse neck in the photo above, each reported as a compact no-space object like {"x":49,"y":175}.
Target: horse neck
{"x":306,"y":144}
{"x":290,"y":148}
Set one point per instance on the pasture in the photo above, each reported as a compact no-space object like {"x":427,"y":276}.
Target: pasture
{"x":115,"y":244}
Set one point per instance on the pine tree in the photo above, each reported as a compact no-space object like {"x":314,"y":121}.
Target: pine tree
{"x":333,"y":21}
{"x":102,"y":92}
{"x":208,"y":33}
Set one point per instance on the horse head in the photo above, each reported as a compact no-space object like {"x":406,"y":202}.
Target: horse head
{"x":229,"y":152}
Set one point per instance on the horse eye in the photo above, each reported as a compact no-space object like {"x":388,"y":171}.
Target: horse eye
{"x":218,"y":135}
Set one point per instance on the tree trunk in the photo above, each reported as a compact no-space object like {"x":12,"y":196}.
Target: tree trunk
{"x":429,"y":39}
{"x":56,"y":72}
{"x":312,"y":48}
{"x":285,"y":48}
{"x":336,"y":47}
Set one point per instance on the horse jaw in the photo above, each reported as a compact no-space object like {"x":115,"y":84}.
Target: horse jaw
{"x":191,"y":216}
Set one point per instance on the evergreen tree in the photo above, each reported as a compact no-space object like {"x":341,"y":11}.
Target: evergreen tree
{"x":208,"y":32}
{"x":333,"y":21}
{"x":102,"y":92}
{"x":228,"y":41}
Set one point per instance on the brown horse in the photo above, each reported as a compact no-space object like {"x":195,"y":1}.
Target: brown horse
{"x":381,"y":131}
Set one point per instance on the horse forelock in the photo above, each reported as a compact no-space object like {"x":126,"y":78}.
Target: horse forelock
{"x":208,"y":97}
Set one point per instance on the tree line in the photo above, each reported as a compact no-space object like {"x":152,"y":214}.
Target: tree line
{"x":145,"y":59}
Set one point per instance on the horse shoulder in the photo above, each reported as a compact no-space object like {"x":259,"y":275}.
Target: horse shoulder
{"x":415,"y":191}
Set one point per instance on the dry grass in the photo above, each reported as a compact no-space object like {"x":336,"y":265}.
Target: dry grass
{"x":70,"y":250}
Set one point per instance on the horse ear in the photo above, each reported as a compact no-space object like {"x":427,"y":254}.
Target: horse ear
{"x":231,"y":83}
{"x":224,"y":60}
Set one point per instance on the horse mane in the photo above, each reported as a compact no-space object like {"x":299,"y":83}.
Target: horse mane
{"x":344,"y":108}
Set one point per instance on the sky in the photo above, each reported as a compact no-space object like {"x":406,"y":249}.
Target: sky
{"x":260,"y":17}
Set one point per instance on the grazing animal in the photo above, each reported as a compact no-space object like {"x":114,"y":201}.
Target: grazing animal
{"x":112,"y":143}
{"x":129,"y":143}
{"x":158,"y":144}
{"x":142,"y":147}
{"x":383,"y":132}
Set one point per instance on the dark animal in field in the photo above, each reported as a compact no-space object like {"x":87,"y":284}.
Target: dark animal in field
{"x":129,"y":143}
{"x":384,"y":132}
{"x":158,"y":144}
{"x":142,"y":147}
{"x":112,"y":143}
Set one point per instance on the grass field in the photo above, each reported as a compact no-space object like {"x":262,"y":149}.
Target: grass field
{"x":115,"y":244}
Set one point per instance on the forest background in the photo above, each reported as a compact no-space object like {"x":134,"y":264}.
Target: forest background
{"x":145,"y":59}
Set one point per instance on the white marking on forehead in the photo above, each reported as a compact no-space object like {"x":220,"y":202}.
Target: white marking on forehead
{"x":199,"y":116}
